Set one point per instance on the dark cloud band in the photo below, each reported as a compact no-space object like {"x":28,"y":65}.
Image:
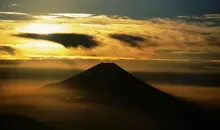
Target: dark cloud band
{"x":129,"y":39}
{"x":66,"y":39}
{"x":8,"y":49}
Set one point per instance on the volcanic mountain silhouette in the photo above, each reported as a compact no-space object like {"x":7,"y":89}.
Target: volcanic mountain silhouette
{"x":116,"y":86}
{"x":110,"y":79}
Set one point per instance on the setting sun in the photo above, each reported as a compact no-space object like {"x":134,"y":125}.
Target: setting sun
{"x":42,"y":47}
{"x":42,"y":28}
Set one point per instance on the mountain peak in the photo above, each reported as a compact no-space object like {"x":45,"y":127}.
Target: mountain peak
{"x":107,"y":65}
{"x":111,"y":79}
{"x":107,"y":83}
{"x":104,"y":69}
{"x":110,"y":65}
{"x":103,"y":74}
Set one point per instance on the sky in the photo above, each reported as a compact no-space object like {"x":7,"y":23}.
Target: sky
{"x":144,"y":31}
{"x":132,"y":8}
{"x":70,"y":37}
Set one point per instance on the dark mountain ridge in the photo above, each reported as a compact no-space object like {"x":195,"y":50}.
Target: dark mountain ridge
{"x":14,"y":122}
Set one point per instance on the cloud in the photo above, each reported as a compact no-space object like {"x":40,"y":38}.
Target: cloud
{"x":8,"y":49}
{"x":115,"y":37}
{"x":203,"y":17}
{"x":129,"y":39}
{"x":192,"y":79}
{"x":209,"y":20}
{"x":71,"y":15}
{"x":212,"y":16}
{"x":213,"y":41}
{"x":15,"y":16}
{"x":67,"y":40}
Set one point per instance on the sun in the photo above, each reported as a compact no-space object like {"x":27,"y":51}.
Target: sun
{"x":42,"y":48}
{"x":41,"y":28}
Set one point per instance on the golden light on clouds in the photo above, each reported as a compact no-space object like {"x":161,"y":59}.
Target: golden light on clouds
{"x":42,"y":28}
{"x":42,"y":47}
{"x":76,"y":15}
{"x":86,"y":36}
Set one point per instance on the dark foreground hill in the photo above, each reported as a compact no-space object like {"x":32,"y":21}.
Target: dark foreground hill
{"x":13,"y":122}
{"x":109,"y":84}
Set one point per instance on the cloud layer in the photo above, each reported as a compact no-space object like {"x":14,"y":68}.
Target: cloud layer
{"x":110,"y":37}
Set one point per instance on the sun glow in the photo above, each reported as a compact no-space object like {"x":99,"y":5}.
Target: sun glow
{"x":42,"y":28}
{"x":42,"y":48}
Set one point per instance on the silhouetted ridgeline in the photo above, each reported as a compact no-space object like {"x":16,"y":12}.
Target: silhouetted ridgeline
{"x":13,"y":122}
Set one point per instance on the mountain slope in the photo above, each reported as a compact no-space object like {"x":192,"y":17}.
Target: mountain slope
{"x":110,"y":84}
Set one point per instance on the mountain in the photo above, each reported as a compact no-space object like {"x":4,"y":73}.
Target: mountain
{"x":14,"y":122}
{"x":110,"y":84}
{"x":114,"y":82}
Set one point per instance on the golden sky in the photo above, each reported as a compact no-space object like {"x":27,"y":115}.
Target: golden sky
{"x":100,"y":37}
